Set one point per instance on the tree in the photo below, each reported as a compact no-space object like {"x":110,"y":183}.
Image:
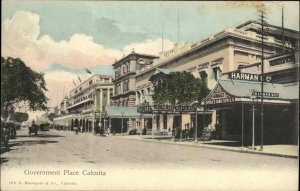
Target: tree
{"x":20,"y":117}
{"x":51,"y":116}
{"x":20,"y":83}
{"x":178,"y":89}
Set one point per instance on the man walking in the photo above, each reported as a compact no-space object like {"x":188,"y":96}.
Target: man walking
{"x":100,"y":128}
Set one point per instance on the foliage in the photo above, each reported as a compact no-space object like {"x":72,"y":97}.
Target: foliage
{"x":20,"y":117}
{"x":51,"y":116}
{"x":178,"y":88}
{"x":20,"y":83}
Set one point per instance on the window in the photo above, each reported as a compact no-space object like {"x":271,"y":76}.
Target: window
{"x":217,"y":72}
{"x":203,"y":76}
{"x":90,"y":82}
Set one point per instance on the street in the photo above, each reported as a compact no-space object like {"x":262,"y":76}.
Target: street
{"x":85,"y":150}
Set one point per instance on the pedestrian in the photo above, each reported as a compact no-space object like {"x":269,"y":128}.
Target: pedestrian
{"x":100,"y":128}
{"x":76,"y":130}
{"x":108,"y":130}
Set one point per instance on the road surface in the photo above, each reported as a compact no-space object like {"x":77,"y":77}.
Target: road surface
{"x":166,"y":162}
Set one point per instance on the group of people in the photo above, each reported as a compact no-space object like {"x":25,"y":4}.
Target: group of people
{"x":99,"y":129}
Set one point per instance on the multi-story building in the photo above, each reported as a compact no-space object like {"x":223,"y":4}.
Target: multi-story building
{"x":86,"y":103}
{"x":125,"y":82}
{"x":210,"y":58}
{"x":124,"y":98}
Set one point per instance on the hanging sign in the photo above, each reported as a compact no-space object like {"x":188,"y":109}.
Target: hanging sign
{"x":266,"y":94}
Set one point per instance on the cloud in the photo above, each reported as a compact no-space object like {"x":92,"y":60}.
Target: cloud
{"x":149,"y":46}
{"x":21,"y":39}
{"x":62,"y":61}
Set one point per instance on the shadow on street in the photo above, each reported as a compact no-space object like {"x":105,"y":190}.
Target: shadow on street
{"x":29,"y":143}
{"x":228,"y":144}
{"x":3,"y":160}
{"x":41,"y":136}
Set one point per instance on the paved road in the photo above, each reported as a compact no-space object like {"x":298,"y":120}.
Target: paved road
{"x":65,"y":148}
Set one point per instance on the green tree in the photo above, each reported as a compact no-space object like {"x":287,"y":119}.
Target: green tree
{"x":51,"y":116}
{"x":20,"y":83}
{"x":20,"y":117}
{"x":178,"y":89}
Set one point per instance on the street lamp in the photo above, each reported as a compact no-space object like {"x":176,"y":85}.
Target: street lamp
{"x":122,"y":113}
{"x":196,"y":121}
{"x":253,"y":120}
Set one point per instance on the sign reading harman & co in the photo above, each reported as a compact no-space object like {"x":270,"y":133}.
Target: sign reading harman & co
{"x":248,"y":77}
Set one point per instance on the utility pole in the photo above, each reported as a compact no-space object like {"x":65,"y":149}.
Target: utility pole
{"x":264,"y":32}
{"x":282,"y":28}
{"x":177,"y":26}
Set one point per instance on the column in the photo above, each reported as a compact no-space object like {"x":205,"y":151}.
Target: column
{"x":142,"y":96}
{"x":101,"y":99}
{"x":146,"y":93}
{"x":161,"y":122}
{"x":249,"y":58}
{"x":230,"y":66}
{"x":108,"y":97}
{"x":137,"y":98}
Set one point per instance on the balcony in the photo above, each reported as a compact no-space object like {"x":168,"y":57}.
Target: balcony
{"x":89,"y":110}
{"x":79,"y":103}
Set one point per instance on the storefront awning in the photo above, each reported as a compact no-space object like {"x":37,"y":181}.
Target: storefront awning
{"x":232,"y":91}
{"x":124,"y":111}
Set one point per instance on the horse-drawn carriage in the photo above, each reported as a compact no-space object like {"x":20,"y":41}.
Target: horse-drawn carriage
{"x":33,"y":128}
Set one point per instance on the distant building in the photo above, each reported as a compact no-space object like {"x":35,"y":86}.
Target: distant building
{"x":85,"y":106}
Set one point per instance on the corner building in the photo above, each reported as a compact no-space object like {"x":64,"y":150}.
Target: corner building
{"x":209,"y":59}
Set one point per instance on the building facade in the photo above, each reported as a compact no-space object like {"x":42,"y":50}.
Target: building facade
{"x":125,"y":81}
{"x":86,"y":103}
{"x":212,"y":59}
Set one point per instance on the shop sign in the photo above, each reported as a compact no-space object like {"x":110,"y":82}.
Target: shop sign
{"x":215,"y":101}
{"x":266,"y":94}
{"x":248,"y":77}
{"x":219,"y":96}
{"x":165,"y":108}
{"x":144,"y":109}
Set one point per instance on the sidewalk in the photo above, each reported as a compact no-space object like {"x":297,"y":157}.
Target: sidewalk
{"x":289,"y":151}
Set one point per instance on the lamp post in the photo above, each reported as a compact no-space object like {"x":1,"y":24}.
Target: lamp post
{"x":122,"y":113}
{"x":196,"y":122}
{"x":253,"y":121}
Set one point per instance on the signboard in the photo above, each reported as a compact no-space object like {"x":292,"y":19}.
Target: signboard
{"x":165,"y":108}
{"x":144,"y":109}
{"x":248,"y":77}
{"x":218,"y":95}
{"x":265,"y":94}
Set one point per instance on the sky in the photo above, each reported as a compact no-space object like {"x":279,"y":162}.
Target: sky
{"x":62,"y":38}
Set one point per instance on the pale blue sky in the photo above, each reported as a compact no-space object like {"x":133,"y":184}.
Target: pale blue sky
{"x":116,"y":24}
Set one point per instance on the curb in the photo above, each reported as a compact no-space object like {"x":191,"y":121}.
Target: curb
{"x":215,"y":148}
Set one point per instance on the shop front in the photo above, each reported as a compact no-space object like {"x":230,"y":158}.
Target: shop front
{"x":238,"y":111}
